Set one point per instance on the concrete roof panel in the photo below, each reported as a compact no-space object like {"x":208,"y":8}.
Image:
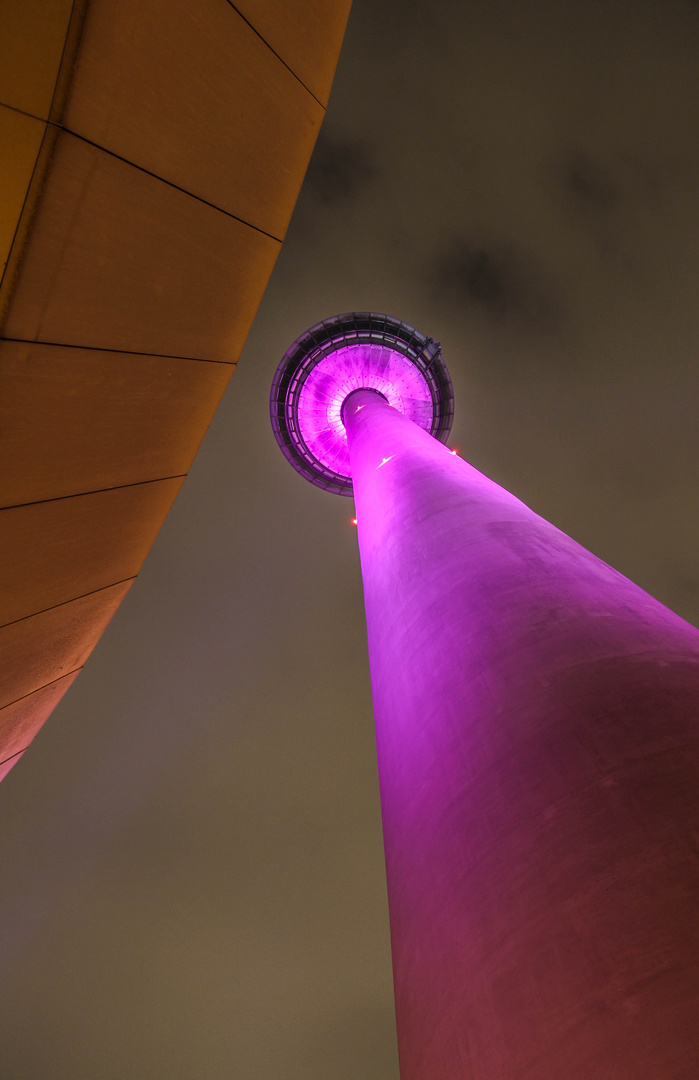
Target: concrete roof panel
{"x":306,"y":34}
{"x":20,"y":142}
{"x":206,"y":105}
{"x":76,"y":420}
{"x":31,"y":47}
{"x":47,"y":646}
{"x":52,"y":552}
{"x":118,"y":259}
{"x":9,"y":763}
{"x":20,"y":721}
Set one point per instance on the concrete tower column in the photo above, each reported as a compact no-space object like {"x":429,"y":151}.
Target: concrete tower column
{"x":537,"y":724}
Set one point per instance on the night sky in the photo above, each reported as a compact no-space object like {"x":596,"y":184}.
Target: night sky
{"x":192,"y":872}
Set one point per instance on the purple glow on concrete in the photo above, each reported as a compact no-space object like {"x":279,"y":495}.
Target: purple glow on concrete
{"x":337,"y":356}
{"x":350,"y":368}
{"x":537,"y":725}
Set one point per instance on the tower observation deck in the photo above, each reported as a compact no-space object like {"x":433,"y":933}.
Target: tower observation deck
{"x":359,"y":350}
{"x":537,"y":731}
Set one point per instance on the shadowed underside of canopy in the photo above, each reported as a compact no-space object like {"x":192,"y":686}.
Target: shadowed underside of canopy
{"x":152,"y":156}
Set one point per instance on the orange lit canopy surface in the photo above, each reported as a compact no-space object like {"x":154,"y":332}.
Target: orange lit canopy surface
{"x":152,"y":155}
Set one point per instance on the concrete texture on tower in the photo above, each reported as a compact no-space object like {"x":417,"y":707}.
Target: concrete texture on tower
{"x":152,"y":156}
{"x":538,"y":753}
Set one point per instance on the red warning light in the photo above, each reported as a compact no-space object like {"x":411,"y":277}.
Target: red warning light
{"x":354,"y":521}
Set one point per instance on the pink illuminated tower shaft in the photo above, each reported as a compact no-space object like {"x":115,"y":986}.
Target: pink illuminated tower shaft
{"x":537,"y":724}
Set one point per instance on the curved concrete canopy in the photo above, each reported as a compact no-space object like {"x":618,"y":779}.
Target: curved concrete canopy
{"x":153,"y":153}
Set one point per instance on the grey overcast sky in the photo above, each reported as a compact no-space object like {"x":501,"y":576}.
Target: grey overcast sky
{"x":192,"y":879}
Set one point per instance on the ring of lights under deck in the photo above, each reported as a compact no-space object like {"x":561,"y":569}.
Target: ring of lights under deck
{"x":359,"y":350}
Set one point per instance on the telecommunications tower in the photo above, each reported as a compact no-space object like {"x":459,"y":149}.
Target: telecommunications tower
{"x":537,"y":727}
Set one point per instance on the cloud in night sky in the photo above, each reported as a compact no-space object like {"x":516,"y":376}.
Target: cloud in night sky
{"x":339,"y":169}
{"x":589,"y":185}
{"x":497,"y":281}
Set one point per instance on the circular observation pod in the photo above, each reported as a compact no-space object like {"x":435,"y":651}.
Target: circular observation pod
{"x":357,"y":351}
